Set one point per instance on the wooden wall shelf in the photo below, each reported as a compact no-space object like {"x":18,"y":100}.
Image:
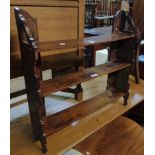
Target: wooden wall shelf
{"x":118,"y":69}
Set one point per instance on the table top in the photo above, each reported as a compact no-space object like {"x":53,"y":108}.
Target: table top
{"x":61,"y":141}
{"x":109,"y":139}
{"x":106,"y":30}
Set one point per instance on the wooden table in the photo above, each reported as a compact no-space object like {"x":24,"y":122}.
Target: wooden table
{"x":122,"y":136}
{"x":61,"y":141}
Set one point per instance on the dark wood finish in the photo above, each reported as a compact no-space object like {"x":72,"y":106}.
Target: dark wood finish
{"x":15,"y":94}
{"x":36,"y":88}
{"x":88,"y":41}
{"x":57,"y":28}
{"x":141,"y":69}
{"x":56,"y":84}
{"x":64,"y":118}
{"x":138,"y":16}
{"x":27,"y":27}
{"x":107,"y":31}
{"x":137,"y":113}
{"x":124,"y":23}
{"x":141,"y":59}
{"x":122,"y":136}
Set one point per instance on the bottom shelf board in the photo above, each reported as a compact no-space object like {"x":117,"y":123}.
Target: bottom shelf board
{"x":61,"y":119}
{"x":63,"y":140}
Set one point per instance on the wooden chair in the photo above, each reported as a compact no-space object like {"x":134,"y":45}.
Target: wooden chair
{"x":37,"y":89}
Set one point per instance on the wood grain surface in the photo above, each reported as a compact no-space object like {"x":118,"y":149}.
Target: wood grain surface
{"x":65,"y":117}
{"x":82,"y":42}
{"x":61,"y":141}
{"x":59,"y":83}
{"x":122,"y":136}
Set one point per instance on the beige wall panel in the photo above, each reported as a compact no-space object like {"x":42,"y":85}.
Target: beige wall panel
{"x":54,"y":23}
{"x":57,"y":20}
{"x":45,"y":2}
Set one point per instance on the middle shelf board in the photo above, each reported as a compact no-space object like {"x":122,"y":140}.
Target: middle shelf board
{"x":68,"y":80}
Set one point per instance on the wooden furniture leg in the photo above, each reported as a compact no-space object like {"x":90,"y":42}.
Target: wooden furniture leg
{"x":135,"y":66}
{"x":119,"y":80}
{"x":43,"y":139}
{"x":79,"y":93}
{"x":43,"y":108}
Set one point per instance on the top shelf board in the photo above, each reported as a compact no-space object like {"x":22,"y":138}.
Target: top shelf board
{"x":82,"y":42}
